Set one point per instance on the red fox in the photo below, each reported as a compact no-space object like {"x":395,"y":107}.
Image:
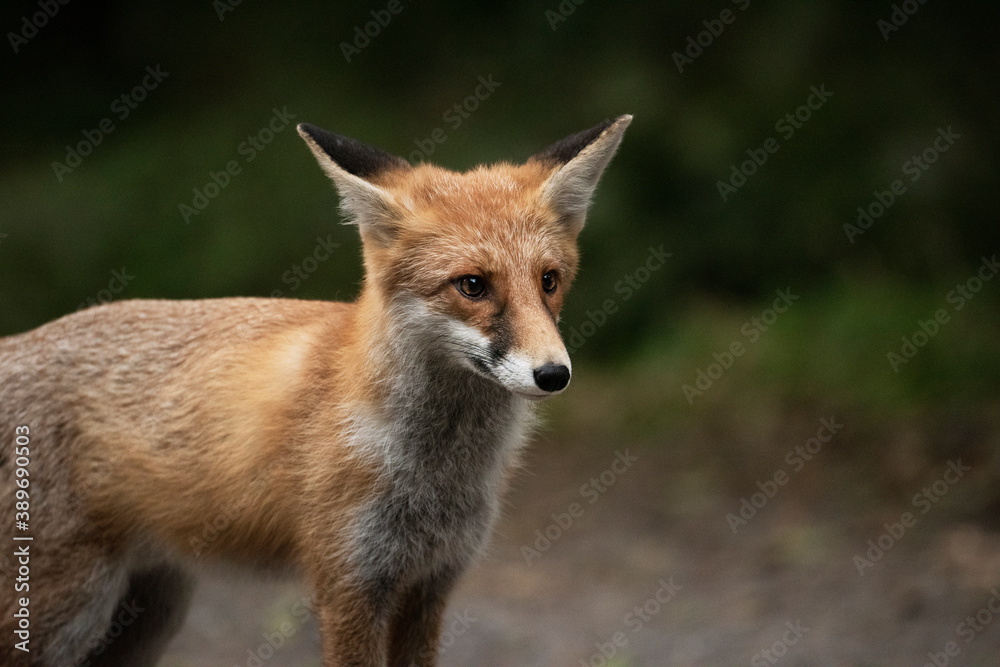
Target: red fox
{"x":362,"y":445}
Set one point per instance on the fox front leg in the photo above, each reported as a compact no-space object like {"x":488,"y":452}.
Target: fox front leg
{"x":354,"y":623}
{"x":416,"y":622}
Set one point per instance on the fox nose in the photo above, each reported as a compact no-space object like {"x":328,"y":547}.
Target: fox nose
{"x":551,"y":377}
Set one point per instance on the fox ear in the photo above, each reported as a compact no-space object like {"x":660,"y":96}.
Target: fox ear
{"x":353,"y":166}
{"x":579,"y":161}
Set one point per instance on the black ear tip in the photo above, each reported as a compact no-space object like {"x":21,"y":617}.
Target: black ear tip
{"x":305,"y":130}
{"x":566,"y":149}
{"x":352,"y":156}
{"x":318,"y":134}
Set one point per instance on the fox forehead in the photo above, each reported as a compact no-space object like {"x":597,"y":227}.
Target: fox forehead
{"x":489,"y":220}
{"x":487,"y":196}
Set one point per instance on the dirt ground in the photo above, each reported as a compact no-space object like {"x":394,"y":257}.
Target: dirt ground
{"x":637,"y":578}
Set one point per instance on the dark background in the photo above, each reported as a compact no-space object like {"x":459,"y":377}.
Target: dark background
{"x":61,"y":240}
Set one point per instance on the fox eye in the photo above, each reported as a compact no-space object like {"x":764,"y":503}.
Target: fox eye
{"x":471,"y":286}
{"x":549,"y":282}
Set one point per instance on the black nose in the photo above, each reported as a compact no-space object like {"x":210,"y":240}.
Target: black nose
{"x":552,"y":377}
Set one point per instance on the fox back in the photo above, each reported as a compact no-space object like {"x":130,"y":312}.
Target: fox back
{"x":363,"y":445}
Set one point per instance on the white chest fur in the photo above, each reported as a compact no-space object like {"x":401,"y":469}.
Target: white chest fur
{"x":443,"y":454}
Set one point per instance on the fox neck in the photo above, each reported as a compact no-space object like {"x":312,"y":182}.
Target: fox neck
{"x":444,"y":438}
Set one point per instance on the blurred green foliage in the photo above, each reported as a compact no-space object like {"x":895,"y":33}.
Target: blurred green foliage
{"x":783,"y":228}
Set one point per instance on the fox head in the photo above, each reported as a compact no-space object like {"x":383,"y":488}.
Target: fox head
{"x":480,"y":261}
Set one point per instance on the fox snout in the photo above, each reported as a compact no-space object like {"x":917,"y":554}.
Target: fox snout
{"x":531,"y":380}
{"x":536,"y":370}
{"x":533,"y":376}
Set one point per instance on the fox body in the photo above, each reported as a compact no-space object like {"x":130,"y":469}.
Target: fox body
{"x":365,"y":445}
